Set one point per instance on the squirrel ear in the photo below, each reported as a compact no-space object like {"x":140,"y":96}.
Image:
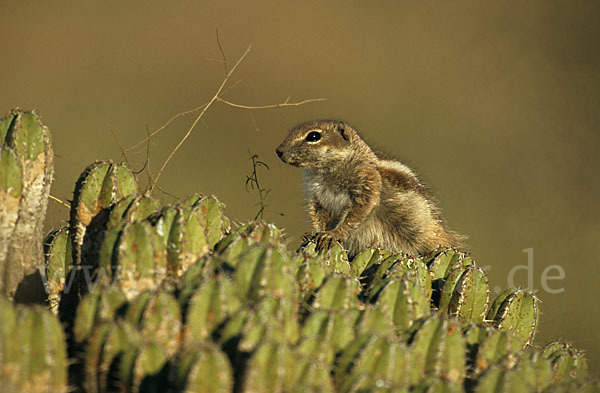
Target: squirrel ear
{"x":341,"y":128}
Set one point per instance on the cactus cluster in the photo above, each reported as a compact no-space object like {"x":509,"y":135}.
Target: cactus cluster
{"x":172,"y":299}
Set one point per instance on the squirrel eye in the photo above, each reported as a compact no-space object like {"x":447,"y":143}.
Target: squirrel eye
{"x":313,"y":136}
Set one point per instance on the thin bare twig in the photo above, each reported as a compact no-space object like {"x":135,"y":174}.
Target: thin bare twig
{"x":282,"y":105}
{"x":172,"y":119}
{"x":147,"y":163}
{"x":177,"y":116}
{"x":55,"y":199}
{"x":222,"y":53}
{"x":125,"y":157}
{"x":114,"y":134}
{"x":189,"y":131}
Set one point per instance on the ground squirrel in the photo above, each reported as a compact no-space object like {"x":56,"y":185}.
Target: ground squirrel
{"x":361,"y":197}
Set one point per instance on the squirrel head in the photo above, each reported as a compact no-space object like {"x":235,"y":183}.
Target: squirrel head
{"x":317,"y":144}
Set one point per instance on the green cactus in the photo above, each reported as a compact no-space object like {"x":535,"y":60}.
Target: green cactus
{"x":465,"y":294}
{"x":364,"y":260}
{"x":141,"y":368}
{"x":9,"y":347}
{"x":380,"y":362}
{"x":101,"y":185}
{"x":264,"y":270}
{"x":213,"y":303}
{"x":567,"y":362}
{"x":437,"y":385}
{"x":95,"y":308}
{"x":26,"y":171}
{"x":491,"y":347}
{"x":104,"y":353}
{"x":516,"y":311}
{"x":133,"y":207}
{"x":310,"y":273}
{"x":254,"y":232}
{"x":190,"y":230}
{"x":500,"y":379}
{"x":372,"y":319}
{"x":204,"y":269}
{"x":442,"y":260}
{"x":325,"y":333}
{"x":412,"y":269}
{"x":26,"y":334}
{"x":338,"y":292}
{"x":157,"y":316}
{"x":269,"y":369}
{"x":11,"y":192}
{"x":58,"y":275}
{"x":536,"y":370}
{"x":438,"y":350}
{"x":335,"y":258}
{"x":401,"y":300}
{"x":140,"y":259}
{"x":203,"y":368}
{"x":272,"y":318}
{"x":520,"y":374}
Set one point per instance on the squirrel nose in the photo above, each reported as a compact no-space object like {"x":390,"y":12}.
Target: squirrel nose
{"x":279,"y":152}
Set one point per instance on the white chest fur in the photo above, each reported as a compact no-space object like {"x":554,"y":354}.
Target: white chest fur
{"x":333,"y":199}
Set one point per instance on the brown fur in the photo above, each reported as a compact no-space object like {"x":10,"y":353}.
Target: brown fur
{"x":361,"y":197}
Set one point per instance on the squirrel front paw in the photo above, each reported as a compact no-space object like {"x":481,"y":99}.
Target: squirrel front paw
{"x":307,"y":237}
{"x":324,"y":240}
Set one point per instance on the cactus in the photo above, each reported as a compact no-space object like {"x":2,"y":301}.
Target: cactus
{"x":500,"y":379}
{"x":104,"y":351}
{"x":325,"y":333}
{"x":261,"y":271}
{"x":436,"y":385}
{"x":26,"y":333}
{"x":203,"y":368}
{"x":335,"y":258}
{"x":516,"y":311}
{"x":272,"y":318}
{"x":102,"y":184}
{"x":190,"y":229}
{"x":141,"y":368}
{"x":442,"y":260}
{"x":465,"y":294}
{"x":26,"y":171}
{"x":138,"y":261}
{"x":438,"y":350}
{"x":58,"y":275}
{"x":269,"y":370}
{"x":520,"y":374}
{"x":11,"y":192}
{"x":402,"y":300}
{"x":310,"y":273}
{"x":567,"y":362}
{"x":212,"y":304}
{"x":157,"y":316}
{"x":412,"y":269}
{"x":337,"y":293}
{"x":495,"y":347}
{"x":96,"y":308}
{"x":380,"y":362}
{"x":364,"y":260}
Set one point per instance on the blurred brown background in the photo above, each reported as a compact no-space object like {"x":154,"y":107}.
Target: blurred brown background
{"x":496,"y":105}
